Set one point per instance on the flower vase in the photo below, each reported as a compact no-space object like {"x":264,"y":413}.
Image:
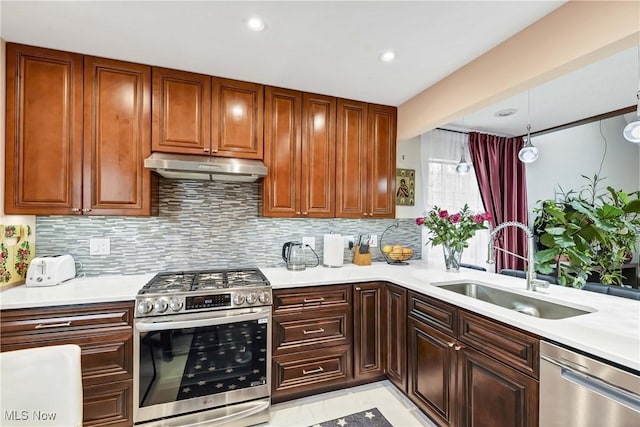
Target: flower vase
{"x":452,"y":256}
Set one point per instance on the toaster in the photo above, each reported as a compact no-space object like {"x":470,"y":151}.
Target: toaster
{"x":50,"y":271}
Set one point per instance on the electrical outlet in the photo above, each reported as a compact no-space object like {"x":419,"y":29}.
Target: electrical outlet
{"x":311,"y":241}
{"x":347,"y":240}
{"x":373,"y":241}
{"x":99,"y":246}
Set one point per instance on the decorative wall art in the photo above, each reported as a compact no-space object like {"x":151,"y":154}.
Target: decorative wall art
{"x":405,"y":187}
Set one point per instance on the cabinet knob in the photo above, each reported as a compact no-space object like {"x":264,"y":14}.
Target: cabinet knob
{"x":75,"y":209}
{"x":451,"y":344}
{"x":206,"y":150}
{"x":358,"y":288}
{"x":366,"y":214}
{"x":458,"y":347}
{"x":305,"y":213}
{"x":215,"y":151}
{"x":86,"y":210}
{"x":298,"y":213}
{"x":370,"y":213}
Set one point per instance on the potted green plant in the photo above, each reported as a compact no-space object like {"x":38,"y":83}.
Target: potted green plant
{"x":587,"y":232}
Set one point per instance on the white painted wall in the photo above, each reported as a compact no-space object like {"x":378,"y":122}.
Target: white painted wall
{"x":408,"y":157}
{"x":567,"y":154}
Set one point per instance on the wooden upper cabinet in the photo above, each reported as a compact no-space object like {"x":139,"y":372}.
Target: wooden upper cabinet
{"x":318,"y":156}
{"x":282,"y":152}
{"x":299,"y":143}
{"x":237,"y":115}
{"x":43,"y":131}
{"x":382,"y":161}
{"x":181,"y":121}
{"x":117,"y":109}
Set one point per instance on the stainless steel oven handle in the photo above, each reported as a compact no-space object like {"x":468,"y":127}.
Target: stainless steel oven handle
{"x":162,"y":325}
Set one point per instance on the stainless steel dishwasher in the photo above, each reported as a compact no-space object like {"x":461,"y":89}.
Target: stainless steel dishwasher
{"x":578,"y":391}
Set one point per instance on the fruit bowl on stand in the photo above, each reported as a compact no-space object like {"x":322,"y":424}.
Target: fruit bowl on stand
{"x":395,"y":254}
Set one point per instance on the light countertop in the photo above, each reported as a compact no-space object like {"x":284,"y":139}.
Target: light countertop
{"x":611,"y":331}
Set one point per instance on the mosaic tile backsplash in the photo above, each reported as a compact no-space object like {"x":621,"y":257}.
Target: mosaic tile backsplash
{"x":202,"y":225}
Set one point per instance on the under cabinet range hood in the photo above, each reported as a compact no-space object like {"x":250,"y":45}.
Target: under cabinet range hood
{"x":183,"y":166}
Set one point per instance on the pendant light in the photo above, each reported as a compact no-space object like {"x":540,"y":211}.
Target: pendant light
{"x":631,"y":131}
{"x":528,"y":153}
{"x":462,"y":167}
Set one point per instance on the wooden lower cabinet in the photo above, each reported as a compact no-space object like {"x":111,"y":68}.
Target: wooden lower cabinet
{"x":369,"y":321}
{"x":104,"y":333}
{"x":310,"y":372}
{"x":493,"y":394}
{"x":395,"y":309}
{"x":432,"y":372}
{"x":482,"y":374}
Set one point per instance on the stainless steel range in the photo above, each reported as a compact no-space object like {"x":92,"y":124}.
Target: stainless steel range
{"x":202,"y":349}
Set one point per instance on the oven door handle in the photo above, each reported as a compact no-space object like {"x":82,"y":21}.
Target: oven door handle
{"x":163,"y":325}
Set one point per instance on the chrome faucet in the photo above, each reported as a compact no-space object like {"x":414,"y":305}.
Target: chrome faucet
{"x":531,"y":271}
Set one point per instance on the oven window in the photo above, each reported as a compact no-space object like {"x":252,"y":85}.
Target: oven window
{"x":179,"y":364}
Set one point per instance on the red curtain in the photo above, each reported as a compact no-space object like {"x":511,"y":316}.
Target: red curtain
{"x":502,"y":182}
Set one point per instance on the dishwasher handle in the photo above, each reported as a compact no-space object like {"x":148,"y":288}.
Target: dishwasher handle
{"x":597,"y":385}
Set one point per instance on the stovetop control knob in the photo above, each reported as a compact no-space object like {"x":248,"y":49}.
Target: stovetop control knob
{"x":264,"y":297}
{"x":161,"y":305}
{"x":145,"y":307}
{"x":252,"y":298}
{"x":238,"y":299}
{"x":175,"y":304}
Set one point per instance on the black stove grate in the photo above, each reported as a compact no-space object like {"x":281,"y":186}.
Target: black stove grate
{"x":188,"y":281}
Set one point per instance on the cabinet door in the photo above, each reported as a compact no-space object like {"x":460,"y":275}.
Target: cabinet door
{"x":351,"y":159}
{"x":432,"y":372}
{"x":395,"y":308}
{"x":282,"y":152}
{"x":181,"y":112}
{"x":43,"y":131}
{"x":237,"y":119}
{"x":368,"y":331}
{"x":117,"y":125}
{"x":318,"y":156}
{"x":382,"y":162}
{"x":495,"y":395}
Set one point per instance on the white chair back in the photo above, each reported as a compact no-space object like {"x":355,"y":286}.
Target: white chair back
{"x":41,"y":387}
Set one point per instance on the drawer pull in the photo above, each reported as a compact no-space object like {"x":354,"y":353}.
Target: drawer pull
{"x":313,"y":371}
{"x":458,"y":347}
{"x":315,"y":331}
{"x":451,"y":344}
{"x":52,"y":325}
{"x":308,"y":301}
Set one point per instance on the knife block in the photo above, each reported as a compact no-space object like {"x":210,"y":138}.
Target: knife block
{"x":361,"y":259}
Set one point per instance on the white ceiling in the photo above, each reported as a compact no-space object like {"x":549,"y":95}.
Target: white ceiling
{"x":325,"y":47}
{"x":598,"y":88}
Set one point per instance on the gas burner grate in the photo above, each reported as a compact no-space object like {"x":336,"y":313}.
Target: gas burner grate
{"x":203,"y":280}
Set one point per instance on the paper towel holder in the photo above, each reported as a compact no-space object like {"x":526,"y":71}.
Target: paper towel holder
{"x":332,"y":251}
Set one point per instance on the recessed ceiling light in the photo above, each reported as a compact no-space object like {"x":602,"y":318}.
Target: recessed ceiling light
{"x":506,"y":113}
{"x":387,"y":56}
{"x":255,"y":24}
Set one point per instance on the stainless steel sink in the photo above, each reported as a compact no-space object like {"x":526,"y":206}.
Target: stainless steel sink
{"x":520,"y":303}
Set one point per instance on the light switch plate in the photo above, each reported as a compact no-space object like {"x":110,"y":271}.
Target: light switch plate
{"x":99,"y":246}
{"x":373,"y":241}
{"x":347,"y":240}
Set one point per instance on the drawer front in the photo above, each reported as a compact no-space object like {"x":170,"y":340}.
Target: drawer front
{"x":65,"y":318}
{"x":508,"y":345}
{"x":105,"y":356}
{"x":310,"y":298}
{"x":437,"y":314}
{"x":297,"y":332}
{"x":305,"y":371}
{"x":109,"y":404}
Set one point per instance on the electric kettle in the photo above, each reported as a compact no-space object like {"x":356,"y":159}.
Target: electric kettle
{"x":293,"y":255}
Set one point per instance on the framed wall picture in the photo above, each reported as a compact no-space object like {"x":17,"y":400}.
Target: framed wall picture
{"x":405,"y":187}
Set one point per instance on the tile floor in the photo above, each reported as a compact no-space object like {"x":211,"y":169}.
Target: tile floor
{"x":395,"y":407}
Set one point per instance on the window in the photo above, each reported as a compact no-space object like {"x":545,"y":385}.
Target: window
{"x":447,"y":189}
